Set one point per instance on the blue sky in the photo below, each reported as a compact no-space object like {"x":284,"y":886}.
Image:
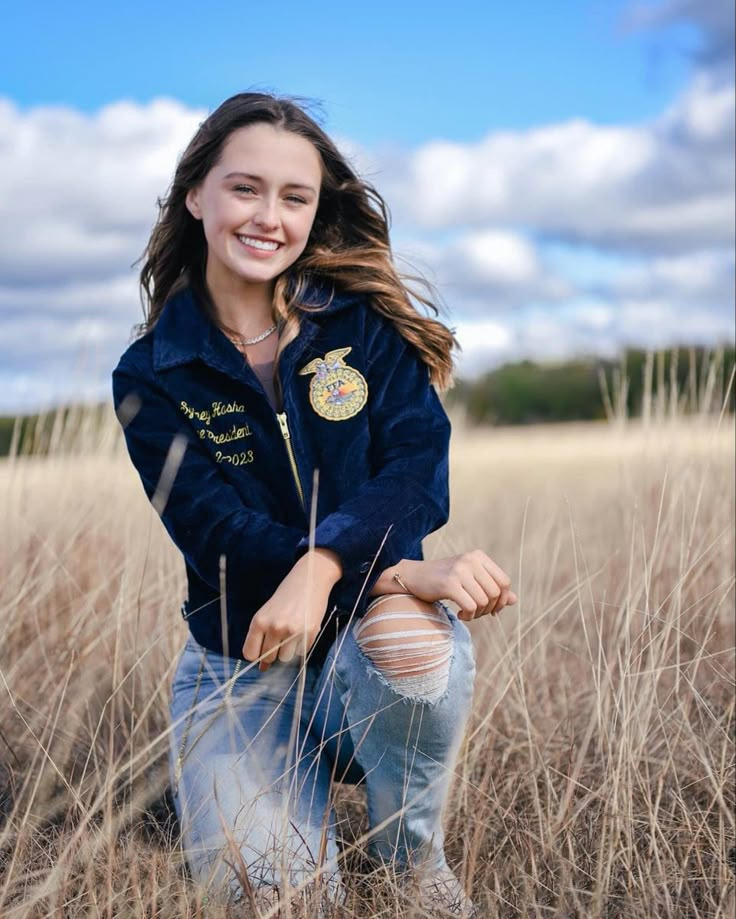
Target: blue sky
{"x":561,"y":171}
{"x":386,"y":72}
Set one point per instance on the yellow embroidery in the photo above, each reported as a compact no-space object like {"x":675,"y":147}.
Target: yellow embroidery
{"x":235,"y":459}
{"x":336,"y":392}
{"x":214,"y":411}
{"x":235,"y":433}
{"x":226,"y":408}
{"x":199,"y":414}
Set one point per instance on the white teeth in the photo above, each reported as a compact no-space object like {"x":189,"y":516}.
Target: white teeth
{"x":258,"y":243}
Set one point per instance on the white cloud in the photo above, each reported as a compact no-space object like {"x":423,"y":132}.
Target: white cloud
{"x":484,"y":343}
{"x":657,"y":323}
{"x":494,"y":257}
{"x":695,"y":278}
{"x":586,"y":327}
{"x":46,"y":362}
{"x":484,"y":271}
{"x":715,"y":21}
{"x":79,"y":196}
{"x":596,"y":316}
{"x":662,"y":186}
{"x":79,"y":191}
{"x":115,"y":295}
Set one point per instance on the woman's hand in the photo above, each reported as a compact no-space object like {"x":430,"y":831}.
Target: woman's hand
{"x":289,"y":622}
{"x":472,"y":580}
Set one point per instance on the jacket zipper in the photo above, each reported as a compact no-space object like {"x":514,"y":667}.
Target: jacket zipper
{"x":283,"y":424}
{"x":292,"y":459}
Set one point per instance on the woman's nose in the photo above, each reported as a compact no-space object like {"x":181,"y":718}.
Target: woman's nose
{"x":267,"y":214}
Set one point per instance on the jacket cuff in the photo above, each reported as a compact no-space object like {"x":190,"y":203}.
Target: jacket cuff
{"x":360,"y":573}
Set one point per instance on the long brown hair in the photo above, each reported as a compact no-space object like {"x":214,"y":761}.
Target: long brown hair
{"x":348,"y":247}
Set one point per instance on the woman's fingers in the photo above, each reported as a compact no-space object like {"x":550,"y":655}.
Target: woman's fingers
{"x":504,"y":583}
{"x":277,"y":648}
{"x":477,"y":581}
{"x":486,"y":584}
{"x":470,"y":598}
{"x":288,"y":650}
{"x":490,"y":588}
{"x":253,"y":643}
{"x":262,"y":646}
{"x":501,"y":602}
{"x":496,"y":572}
{"x":269,"y":651}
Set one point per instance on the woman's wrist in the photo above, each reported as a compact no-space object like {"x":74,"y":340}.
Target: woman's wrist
{"x":326,"y":562}
{"x":390,"y":580}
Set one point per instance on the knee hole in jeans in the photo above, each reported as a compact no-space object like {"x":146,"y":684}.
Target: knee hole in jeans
{"x":410,"y":642}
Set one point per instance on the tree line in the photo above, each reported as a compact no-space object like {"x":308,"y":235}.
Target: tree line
{"x":680,"y":381}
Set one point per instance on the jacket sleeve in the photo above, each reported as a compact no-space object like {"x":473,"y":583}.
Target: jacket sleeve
{"x":408,"y":495}
{"x":202,"y":512}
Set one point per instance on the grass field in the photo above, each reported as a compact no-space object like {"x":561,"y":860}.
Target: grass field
{"x":597,"y":777}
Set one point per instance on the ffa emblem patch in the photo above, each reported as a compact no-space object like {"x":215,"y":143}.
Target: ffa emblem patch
{"x":336,"y":391}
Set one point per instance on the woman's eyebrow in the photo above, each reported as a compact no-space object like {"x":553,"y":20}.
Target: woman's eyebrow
{"x":254,"y":178}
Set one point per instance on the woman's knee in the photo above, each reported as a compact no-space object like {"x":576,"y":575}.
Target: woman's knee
{"x":410,"y":642}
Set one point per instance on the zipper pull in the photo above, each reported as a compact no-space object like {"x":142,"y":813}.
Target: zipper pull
{"x":284,"y":429}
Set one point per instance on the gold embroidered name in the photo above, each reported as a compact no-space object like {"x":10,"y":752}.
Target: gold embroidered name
{"x":216,"y":410}
{"x":200,"y":414}
{"x":226,"y":408}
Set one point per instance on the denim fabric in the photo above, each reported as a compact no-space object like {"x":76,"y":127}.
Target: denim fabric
{"x":260,"y":758}
{"x":366,"y":431}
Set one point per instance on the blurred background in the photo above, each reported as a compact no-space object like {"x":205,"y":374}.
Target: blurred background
{"x":562,"y":172}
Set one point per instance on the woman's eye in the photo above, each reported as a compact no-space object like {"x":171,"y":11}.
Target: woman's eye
{"x":249,"y":190}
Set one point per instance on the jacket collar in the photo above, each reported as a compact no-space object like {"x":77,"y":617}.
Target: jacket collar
{"x":184,"y":332}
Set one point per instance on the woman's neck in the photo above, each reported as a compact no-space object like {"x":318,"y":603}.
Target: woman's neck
{"x":245,"y":309}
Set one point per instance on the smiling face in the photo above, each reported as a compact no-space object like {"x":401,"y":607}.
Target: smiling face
{"x":257,"y":206}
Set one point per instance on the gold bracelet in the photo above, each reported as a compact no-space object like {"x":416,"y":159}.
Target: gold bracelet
{"x":403,"y":586}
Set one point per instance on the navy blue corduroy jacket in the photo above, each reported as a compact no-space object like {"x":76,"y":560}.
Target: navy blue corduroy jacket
{"x":232,"y":479}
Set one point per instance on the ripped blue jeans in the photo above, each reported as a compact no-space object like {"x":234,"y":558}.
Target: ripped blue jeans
{"x":254,"y":755}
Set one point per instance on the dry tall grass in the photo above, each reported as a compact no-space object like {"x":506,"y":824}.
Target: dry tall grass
{"x":597,"y":777}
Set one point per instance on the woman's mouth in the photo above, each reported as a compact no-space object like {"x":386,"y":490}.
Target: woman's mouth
{"x":261,"y":247}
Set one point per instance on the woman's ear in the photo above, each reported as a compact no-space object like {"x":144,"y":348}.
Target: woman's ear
{"x":192,"y":203}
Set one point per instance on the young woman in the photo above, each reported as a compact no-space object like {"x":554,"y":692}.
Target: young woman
{"x":279,"y":407}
